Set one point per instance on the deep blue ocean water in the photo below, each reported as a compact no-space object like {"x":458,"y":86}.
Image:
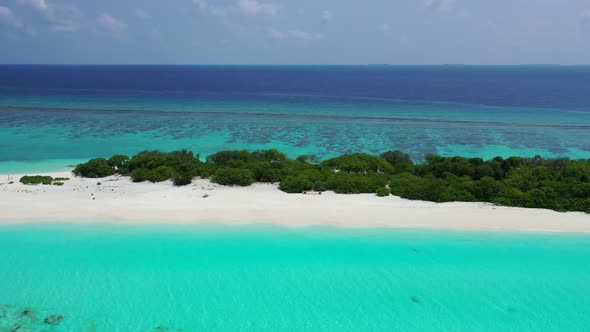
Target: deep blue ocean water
{"x":54,"y":116}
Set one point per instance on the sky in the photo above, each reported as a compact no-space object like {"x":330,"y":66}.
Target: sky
{"x":295,"y":31}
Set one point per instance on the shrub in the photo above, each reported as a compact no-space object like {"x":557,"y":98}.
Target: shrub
{"x":60,"y":179}
{"x":537,"y":198}
{"x":397,"y":157}
{"x":94,"y":168}
{"x":245,"y":159}
{"x":231,"y":158}
{"x":182,"y":179}
{"x":308,"y":158}
{"x":161,"y":173}
{"x":382,"y":192}
{"x":233,"y":177}
{"x":487,"y":188}
{"x":273,"y":156}
{"x":265,"y":171}
{"x":458,"y":166}
{"x":295,"y":184}
{"x":139,"y":175}
{"x":320,"y":185}
{"x":58,"y":183}
{"x":206,"y":170}
{"x":316,"y":177}
{"x":36,"y":179}
{"x":408,"y":186}
{"x":346,"y":183}
{"x":182,"y":161}
{"x":358,"y":163}
{"x":454,"y":194}
{"x":118,"y":161}
{"x":512,"y":197}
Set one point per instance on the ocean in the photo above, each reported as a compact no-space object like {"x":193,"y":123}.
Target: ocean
{"x":166,"y":278}
{"x":266,"y":278}
{"x":52,"y":117}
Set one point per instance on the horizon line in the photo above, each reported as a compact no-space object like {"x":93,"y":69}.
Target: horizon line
{"x":301,"y":64}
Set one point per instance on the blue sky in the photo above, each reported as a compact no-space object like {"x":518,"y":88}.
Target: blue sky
{"x":295,"y":32}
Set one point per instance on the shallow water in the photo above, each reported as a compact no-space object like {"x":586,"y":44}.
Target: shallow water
{"x":266,"y":278}
{"x":55,"y":116}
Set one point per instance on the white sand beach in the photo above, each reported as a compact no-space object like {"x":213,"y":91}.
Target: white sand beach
{"x":118,"y":200}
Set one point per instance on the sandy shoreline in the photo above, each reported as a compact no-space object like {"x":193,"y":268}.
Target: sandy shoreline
{"x":118,"y":200}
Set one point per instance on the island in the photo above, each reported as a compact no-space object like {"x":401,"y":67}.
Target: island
{"x":359,"y":190}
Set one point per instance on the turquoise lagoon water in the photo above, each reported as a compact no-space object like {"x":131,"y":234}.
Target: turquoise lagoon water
{"x":263,"y":278}
{"x":55,"y":116}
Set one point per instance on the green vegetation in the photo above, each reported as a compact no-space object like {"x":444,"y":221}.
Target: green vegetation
{"x":360,"y":163}
{"x":36,"y":179}
{"x":95,"y":168}
{"x":118,"y":161}
{"x":60,"y":179}
{"x":295,"y":184}
{"x":560,"y":184}
{"x":42,"y":179}
{"x":382,"y":192}
{"x":233,"y":177}
{"x":153,"y":166}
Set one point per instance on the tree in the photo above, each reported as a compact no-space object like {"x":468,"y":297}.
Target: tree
{"x":295,"y":184}
{"x":382,"y":192}
{"x":118,"y":161}
{"x":94,"y":168}
{"x":358,"y":163}
{"x":234,"y":177}
{"x":397,"y":157}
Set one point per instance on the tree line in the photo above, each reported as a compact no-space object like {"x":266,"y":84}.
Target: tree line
{"x":557,"y":184}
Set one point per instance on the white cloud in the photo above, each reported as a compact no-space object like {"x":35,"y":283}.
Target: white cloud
{"x":201,"y":4}
{"x":140,"y":13}
{"x":441,"y":5}
{"x":327,"y":16}
{"x":464,"y":16}
{"x":66,"y":18}
{"x":255,"y":8}
{"x":384,"y":27}
{"x":40,"y":5}
{"x":302,"y":35}
{"x":63,"y":18}
{"x":294,"y":34}
{"x":244,"y":7}
{"x":204,"y":7}
{"x":7,"y":17}
{"x":116,"y":26}
{"x":156,"y":33}
{"x":218,"y":11}
{"x":275,"y":34}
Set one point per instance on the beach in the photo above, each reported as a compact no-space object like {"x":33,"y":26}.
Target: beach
{"x":118,"y":200}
